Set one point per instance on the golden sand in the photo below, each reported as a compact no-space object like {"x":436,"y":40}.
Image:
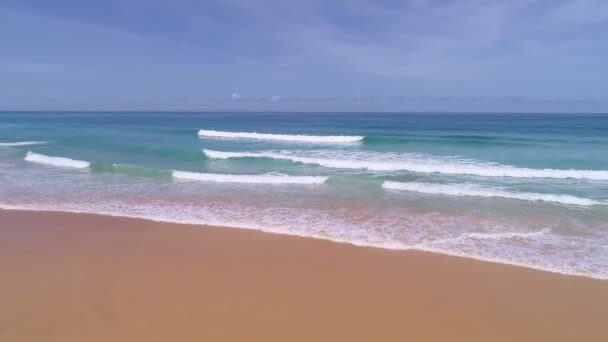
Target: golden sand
{"x":72,"y":277}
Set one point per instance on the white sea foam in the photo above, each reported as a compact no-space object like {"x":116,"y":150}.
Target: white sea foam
{"x":56,"y":161}
{"x":479,"y":191}
{"x":327,"y":139}
{"x":21,"y":143}
{"x":252,"y":179}
{"x":538,"y":249}
{"x":508,"y":235}
{"x":376,"y":161}
{"x":493,"y":236}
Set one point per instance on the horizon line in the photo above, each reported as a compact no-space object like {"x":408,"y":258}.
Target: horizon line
{"x":3,"y":111}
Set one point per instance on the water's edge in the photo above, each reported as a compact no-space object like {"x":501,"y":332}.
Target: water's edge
{"x":5,"y":207}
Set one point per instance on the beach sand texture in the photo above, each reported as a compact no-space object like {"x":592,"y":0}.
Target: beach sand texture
{"x":78,"y":277}
{"x":73,"y":277}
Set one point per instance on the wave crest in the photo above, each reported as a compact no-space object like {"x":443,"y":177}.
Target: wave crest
{"x":251,"y":179}
{"x":411,"y":162}
{"x":327,"y":139}
{"x":478,"y":191}
{"x":22,"y":143}
{"x":56,"y":161}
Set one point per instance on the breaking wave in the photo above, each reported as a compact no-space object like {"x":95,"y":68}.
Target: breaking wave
{"x":374,"y":161}
{"x":56,"y":161}
{"x":251,"y":179}
{"x":21,"y":143}
{"x":327,"y":139}
{"x":479,"y":191}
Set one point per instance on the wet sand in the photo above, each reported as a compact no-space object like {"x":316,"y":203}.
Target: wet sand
{"x":77,"y":277}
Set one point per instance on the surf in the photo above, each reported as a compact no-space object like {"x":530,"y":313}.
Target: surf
{"x":327,"y":139}
{"x":473,"y":190}
{"x":21,"y":143}
{"x":374,"y":161}
{"x":249,"y":179}
{"x":56,"y":161}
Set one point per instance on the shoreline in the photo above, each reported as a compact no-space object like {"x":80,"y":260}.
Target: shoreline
{"x":3,"y":208}
{"x":75,"y":277}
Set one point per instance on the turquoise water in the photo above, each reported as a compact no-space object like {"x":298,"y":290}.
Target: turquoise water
{"x":524,"y":189}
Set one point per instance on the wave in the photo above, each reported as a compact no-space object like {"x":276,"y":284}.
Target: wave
{"x":438,"y":141}
{"x":411,"y":162}
{"x":252,"y":179}
{"x":478,"y":191}
{"x":56,"y":161}
{"x":22,"y":143}
{"x":328,"y":139}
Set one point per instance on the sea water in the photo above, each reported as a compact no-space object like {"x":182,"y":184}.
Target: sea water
{"x":523,"y":189}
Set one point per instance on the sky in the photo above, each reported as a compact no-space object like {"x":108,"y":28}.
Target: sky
{"x":356,"y":55}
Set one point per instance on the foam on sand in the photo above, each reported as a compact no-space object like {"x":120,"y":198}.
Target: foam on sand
{"x":479,"y":191}
{"x":328,"y":139}
{"x":21,"y":143}
{"x":56,"y":161}
{"x":495,"y":236}
{"x":251,"y":179}
{"x":377,"y":161}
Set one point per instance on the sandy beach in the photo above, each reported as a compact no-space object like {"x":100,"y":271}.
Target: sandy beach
{"x":78,"y":277}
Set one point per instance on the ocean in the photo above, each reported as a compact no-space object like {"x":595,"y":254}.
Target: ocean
{"x":522,"y":189}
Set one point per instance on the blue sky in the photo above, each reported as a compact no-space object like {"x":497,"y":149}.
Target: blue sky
{"x":515,"y":55}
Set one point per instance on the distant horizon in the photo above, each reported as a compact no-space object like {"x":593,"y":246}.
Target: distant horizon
{"x":276,"y":111}
{"x":293,"y":111}
{"x":346,"y":106}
